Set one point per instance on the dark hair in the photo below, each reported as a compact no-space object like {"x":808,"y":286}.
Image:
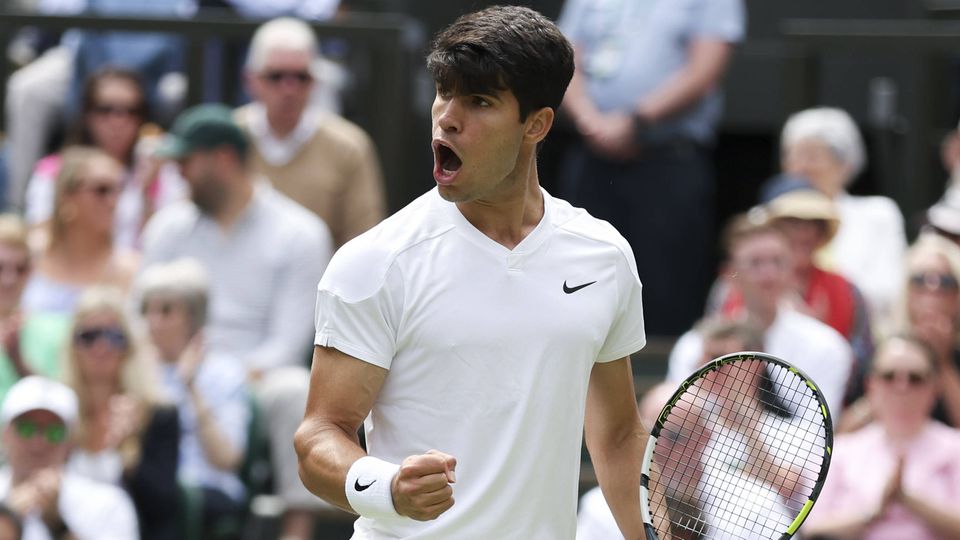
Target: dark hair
{"x":504,"y":48}
{"x":79,"y":134}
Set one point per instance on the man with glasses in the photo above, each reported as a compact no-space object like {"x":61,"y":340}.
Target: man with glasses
{"x":315,"y":157}
{"x":37,"y":416}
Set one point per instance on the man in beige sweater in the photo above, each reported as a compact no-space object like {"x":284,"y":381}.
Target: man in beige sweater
{"x":317,"y":158}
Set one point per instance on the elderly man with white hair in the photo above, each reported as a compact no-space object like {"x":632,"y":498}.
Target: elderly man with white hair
{"x":317,"y":158}
{"x":824,"y":146}
{"x":38,"y":415}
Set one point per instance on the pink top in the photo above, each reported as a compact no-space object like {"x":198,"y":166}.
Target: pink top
{"x":863,"y":462}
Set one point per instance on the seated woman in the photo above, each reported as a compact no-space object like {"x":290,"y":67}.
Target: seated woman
{"x":113,"y":118}
{"x":823,"y":146}
{"x":899,"y":477}
{"x":125,"y":434}
{"x":209,"y":389}
{"x":30,"y":343}
{"x":80,"y":250}
{"x":930,"y":309}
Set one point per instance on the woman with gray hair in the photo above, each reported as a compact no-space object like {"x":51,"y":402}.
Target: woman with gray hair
{"x":823,"y":145}
{"x":208,"y":389}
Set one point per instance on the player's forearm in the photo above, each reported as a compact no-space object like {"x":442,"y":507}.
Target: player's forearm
{"x":617,"y":463}
{"x":325,"y":453}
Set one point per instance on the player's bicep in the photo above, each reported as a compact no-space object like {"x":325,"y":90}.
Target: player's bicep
{"x":611,"y":402}
{"x":342,"y":389}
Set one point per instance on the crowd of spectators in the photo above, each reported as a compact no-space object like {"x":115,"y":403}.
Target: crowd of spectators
{"x":166,"y":276}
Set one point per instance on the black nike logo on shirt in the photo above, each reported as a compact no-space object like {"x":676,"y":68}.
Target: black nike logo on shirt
{"x":571,"y":290}
{"x":358,"y":487}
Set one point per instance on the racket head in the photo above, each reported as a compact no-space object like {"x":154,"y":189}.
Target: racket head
{"x":698,"y":457}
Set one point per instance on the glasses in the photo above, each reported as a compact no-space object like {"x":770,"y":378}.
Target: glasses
{"x":53,"y":433}
{"x":112,"y":336}
{"x":278,"y":76}
{"x":913,"y":378}
{"x":932,"y":281}
{"x":107,"y":109}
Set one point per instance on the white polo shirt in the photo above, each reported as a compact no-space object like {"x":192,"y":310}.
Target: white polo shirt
{"x":489,"y":351}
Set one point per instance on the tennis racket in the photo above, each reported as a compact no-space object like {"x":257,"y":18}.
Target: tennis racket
{"x":740,"y":451}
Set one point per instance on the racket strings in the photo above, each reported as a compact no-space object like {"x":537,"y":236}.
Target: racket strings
{"x":741,"y":458}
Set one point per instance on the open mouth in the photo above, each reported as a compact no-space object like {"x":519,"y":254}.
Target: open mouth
{"x":448,"y":162}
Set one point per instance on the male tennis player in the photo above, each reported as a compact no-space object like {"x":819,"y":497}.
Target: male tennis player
{"x":476,"y":328}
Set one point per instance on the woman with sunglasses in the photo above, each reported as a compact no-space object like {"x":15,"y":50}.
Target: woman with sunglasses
{"x":80,"y":250}
{"x":930,"y":309}
{"x":113,"y":118}
{"x":899,"y":477}
{"x":125,"y":434}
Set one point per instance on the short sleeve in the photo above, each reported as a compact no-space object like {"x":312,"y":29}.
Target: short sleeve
{"x":364,"y":328}
{"x":720,"y":19}
{"x":627,"y":333}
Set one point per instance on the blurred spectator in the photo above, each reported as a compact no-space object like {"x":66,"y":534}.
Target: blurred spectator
{"x":113,"y":116}
{"x":304,"y":9}
{"x":943,"y":217}
{"x":48,"y":89}
{"x":11,"y":526}
{"x":31,"y":342}
{"x":78,"y":248}
{"x":760,"y":271}
{"x":645,"y":99}
{"x":264,"y":254}
{"x":824,"y":146}
{"x":930,"y":309}
{"x":125,"y":434}
{"x":809,"y":221}
{"x":209,"y":389}
{"x":38,"y":417}
{"x":320,"y":160}
{"x":899,"y":477}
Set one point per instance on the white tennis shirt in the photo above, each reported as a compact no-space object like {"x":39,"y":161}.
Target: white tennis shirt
{"x":489,"y":352}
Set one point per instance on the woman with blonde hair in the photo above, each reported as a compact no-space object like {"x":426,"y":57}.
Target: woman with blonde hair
{"x":929,"y":308}
{"x":78,"y":250}
{"x":125,"y":433}
{"x":30,"y":343}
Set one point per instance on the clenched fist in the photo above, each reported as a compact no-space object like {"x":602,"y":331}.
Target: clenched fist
{"x":421,"y":488}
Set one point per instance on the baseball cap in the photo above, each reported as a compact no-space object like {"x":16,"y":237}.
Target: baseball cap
{"x":202,"y":127}
{"x":35,"y":392}
{"x":806,"y":204}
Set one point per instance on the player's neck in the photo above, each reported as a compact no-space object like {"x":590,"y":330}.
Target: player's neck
{"x":509,"y":217}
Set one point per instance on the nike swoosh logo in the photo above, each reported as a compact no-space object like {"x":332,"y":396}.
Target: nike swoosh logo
{"x":571,"y":290}
{"x":358,"y":487}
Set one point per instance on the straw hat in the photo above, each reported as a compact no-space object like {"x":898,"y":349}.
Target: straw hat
{"x":806,"y":204}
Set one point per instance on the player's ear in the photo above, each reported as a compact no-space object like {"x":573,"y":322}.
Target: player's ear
{"x":538,"y":124}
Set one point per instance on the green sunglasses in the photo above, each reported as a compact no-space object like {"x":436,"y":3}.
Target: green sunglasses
{"x":53,"y":433}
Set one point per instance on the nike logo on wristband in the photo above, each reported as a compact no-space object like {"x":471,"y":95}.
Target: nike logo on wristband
{"x":358,"y":487}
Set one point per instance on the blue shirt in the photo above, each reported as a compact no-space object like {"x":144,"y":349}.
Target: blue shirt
{"x":631,"y":47}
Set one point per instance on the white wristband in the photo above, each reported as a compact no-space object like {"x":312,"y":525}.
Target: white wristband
{"x":369,"y":488}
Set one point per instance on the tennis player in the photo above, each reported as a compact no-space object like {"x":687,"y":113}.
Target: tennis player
{"x":476,"y":333}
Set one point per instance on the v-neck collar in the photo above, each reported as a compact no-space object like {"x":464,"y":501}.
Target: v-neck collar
{"x":514,"y":256}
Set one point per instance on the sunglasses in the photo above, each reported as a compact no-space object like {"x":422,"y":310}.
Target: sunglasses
{"x":933,"y":281}
{"x":913,"y":378}
{"x":53,"y":433}
{"x":115,"y":110}
{"x":277,"y":76}
{"x":88,"y":337}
